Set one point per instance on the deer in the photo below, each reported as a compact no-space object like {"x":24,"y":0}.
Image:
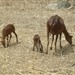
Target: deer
{"x":6,"y":34}
{"x":55,"y":27}
{"x":37,"y":43}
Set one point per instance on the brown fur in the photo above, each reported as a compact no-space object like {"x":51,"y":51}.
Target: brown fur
{"x":37,"y":43}
{"x":6,"y":32}
{"x":56,"y":26}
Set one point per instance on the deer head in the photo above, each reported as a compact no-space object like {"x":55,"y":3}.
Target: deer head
{"x":69,"y":39}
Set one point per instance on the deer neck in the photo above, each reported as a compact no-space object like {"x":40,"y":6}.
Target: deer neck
{"x":66,"y":32}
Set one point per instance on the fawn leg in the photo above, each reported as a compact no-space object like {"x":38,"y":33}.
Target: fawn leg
{"x":34,"y":47}
{"x":41,"y":49}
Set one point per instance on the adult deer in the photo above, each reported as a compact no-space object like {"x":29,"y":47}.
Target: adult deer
{"x":56,"y":26}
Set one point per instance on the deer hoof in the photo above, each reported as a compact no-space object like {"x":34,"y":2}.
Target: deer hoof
{"x":50,"y":48}
{"x":46,"y":52}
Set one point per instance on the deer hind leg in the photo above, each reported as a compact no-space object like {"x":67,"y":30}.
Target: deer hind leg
{"x":16,"y":36}
{"x":52,"y":41}
{"x":10,"y":37}
{"x":56,"y":42}
{"x":60,"y":44}
{"x":60,"y":40}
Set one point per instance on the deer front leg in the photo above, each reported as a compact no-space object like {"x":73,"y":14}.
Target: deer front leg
{"x":47,"y":40}
{"x":7,"y":41}
{"x":34,"y":47}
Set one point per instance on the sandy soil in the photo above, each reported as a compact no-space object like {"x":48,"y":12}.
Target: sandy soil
{"x":19,"y":59}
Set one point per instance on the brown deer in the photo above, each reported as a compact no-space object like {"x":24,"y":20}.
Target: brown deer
{"x":56,"y":26}
{"x":6,"y":32}
{"x":37,"y":43}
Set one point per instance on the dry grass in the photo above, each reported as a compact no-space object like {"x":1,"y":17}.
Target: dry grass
{"x":19,"y":59}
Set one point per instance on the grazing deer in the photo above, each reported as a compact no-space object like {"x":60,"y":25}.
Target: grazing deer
{"x":56,"y":26}
{"x":6,"y":32}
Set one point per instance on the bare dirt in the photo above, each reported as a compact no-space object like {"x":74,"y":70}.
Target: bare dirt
{"x":19,"y":59}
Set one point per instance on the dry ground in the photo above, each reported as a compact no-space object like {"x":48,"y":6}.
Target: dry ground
{"x":19,"y":59}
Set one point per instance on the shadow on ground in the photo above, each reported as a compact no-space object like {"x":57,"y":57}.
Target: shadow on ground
{"x":66,"y":49}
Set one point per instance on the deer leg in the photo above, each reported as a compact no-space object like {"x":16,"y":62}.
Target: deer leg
{"x":60,"y":40}
{"x":3,"y":42}
{"x":41,"y":49}
{"x":7,"y":41}
{"x":16,"y":37}
{"x":47,"y":41}
{"x":52,"y":41}
{"x":60,"y":43}
{"x":33,"y":47}
{"x":38,"y":46}
{"x":56,"y":42}
{"x":10,"y":38}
